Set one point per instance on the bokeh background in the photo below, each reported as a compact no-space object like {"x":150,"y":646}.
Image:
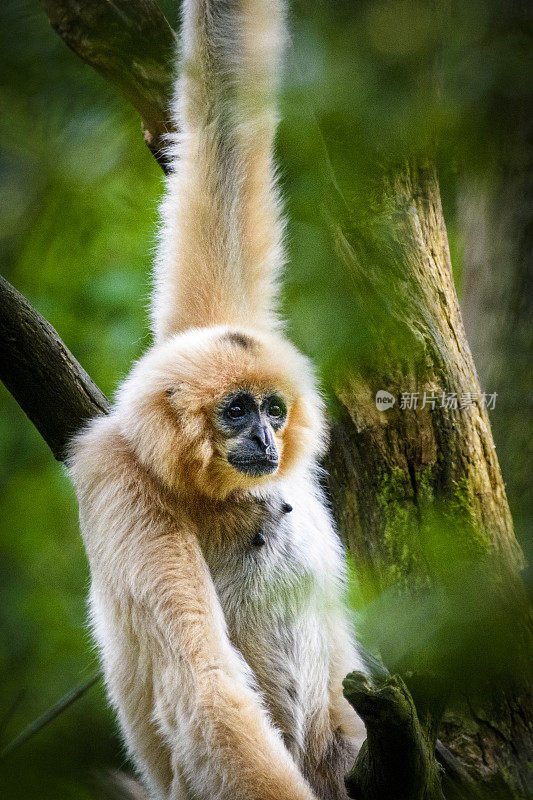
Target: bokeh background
{"x":367,"y":84}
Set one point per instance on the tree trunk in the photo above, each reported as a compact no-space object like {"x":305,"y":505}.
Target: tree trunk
{"x":407,"y":483}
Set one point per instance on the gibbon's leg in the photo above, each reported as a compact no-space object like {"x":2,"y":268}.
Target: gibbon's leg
{"x":343,"y":652}
{"x":337,"y":735}
{"x":155,"y":608}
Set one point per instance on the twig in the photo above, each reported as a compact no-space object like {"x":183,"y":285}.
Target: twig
{"x":38,"y":724}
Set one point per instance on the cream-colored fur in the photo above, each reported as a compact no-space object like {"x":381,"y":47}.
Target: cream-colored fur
{"x":221,"y":239}
{"x":224,"y":660}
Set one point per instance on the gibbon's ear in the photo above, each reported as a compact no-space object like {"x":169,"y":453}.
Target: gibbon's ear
{"x":220,"y":241}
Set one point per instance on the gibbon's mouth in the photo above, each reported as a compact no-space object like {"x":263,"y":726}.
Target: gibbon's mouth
{"x":255,"y":466}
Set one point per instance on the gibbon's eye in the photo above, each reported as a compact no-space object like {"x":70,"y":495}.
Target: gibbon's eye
{"x":237,"y":408}
{"x":236,"y":411}
{"x":277,"y":409}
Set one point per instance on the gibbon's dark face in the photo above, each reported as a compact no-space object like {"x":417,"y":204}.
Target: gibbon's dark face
{"x":249,"y":424}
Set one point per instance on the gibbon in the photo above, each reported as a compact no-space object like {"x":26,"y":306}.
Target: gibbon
{"x":217,"y":578}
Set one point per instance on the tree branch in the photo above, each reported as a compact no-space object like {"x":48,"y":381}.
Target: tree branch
{"x":397,"y":760}
{"x":131,"y":44}
{"x":43,"y":376}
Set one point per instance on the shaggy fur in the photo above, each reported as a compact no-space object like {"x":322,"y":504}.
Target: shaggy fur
{"x":216,"y":596}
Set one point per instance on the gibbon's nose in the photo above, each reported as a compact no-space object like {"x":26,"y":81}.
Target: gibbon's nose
{"x":262,"y":438}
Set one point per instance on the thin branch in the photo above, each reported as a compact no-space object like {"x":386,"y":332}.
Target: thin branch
{"x":131,"y":44}
{"x":456,"y":781}
{"x":40,"y":723}
{"x":43,"y":376}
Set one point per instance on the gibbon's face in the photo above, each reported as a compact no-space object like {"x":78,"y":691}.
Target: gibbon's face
{"x":218,"y":410}
{"x":249,"y":422}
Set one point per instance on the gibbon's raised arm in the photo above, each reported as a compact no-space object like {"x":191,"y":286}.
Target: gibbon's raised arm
{"x":183,"y":694}
{"x":221,"y":236}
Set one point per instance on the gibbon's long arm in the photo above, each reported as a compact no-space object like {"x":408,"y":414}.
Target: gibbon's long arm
{"x":221,"y":236}
{"x":183,"y":693}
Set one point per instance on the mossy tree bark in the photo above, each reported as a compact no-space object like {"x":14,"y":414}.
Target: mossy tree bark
{"x":408,"y":481}
{"x":397,"y":761}
{"x":431,"y":451}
